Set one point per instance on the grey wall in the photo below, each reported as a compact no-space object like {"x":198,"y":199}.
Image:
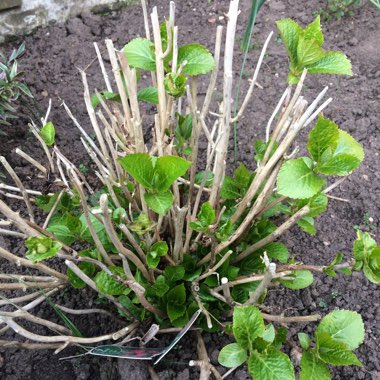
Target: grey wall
{"x":35,"y":13}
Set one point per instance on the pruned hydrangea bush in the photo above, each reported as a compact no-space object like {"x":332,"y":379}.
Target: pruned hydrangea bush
{"x":166,"y":236}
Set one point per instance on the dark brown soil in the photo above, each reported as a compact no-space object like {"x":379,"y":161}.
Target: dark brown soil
{"x":52,"y":58}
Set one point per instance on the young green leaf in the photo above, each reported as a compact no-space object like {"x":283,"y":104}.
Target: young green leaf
{"x":159,"y":202}
{"x":148,"y":94}
{"x":198,"y":59}
{"x":175,"y":85}
{"x":87,"y":268}
{"x":248,"y":324}
{"x":270,"y":365}
{"x":109,"y":285}
{"x":314,"y":31}
{"x":207,"y":215}
{"x":167,"y":170}
{"x":176,"y":299}
{"x":334,"y":352}
{"x":159,"y":288}
{"x":269,"y":334}
{"x":304,"y":340}
{"x":232,"y":355}
{"x":174,"y":273}
{"x":308,"y":51}
{"x":323,"y":136}
{"x":305,"y":51}
{"x":140,"y":167}
{"x":47,"y":133}
{"x":107,"y":95}
{"x":261,"y":147}
{"x":343,"y":326}
{"x":297,"y":179}
{"x":230,"y":189}
{"x":333,"y":62}
{"x":290,"y":32}
{"x":302,"y":279}
{"x":157,"y":250}
{"x":313,"y":368}
{"x":346,"y":157}
{"x":41,"y":248}
{"x":329,"y":270}
{"x":307,"y":224}
{"x":317,"y":204}
{"x":140,"y":54}
{"x":63,"y":233}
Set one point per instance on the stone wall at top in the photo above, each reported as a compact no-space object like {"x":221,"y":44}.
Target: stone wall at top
{"x":19,"y":17}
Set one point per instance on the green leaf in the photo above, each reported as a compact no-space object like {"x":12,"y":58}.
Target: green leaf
{"x":175,"y":85}
{"x":99,"y":228}
{"x":140,"y":54}
{"x":177,"y":295}
{"x":371,"y":268}
{"x":308,"y":51}
{"x":168,"y":169}
{"x":199,"y":59}
{"x":47,"y":133}
{"x":334,"y":352}
{"x":148,"y":94}
{"x":62,"y":233}
{"x":270,"y":365}
{"x":140,"y":167}
{"x":157,"y":250}
{"x":109,"y":285}
{"x":137,"y":312}
{"x":242,"y":176}
{"x":41,"y":248}
{"x":230,"y":189}
{"x":317,"y":204}
{"x":46,"y":202}
{"x":174,"y":273}
{"x":232,"y":355}
{"x":280,"y":338}
{"x":184,"y":128}
{"x":290,"y":32}
{"x":87,"y":268}
{"x":343,"y":326}
{"x":341,"y":164}
{"x":304,"y":340}
{"x":329,"y":270}
{"x":307,"y":224}
{"x":207,"y":215}
{"x":323,"y":136}
{"x":159,"y":202}
{"x":261,"y":147}
{"x":363,"y":246}
{"x":175,"y":311}
{"x":333,"y":62}
{"x":159,"y":288}
{"x":297,"y":180}
{"x":313,"y":31}
{"x":248,"y":324}
{"x":269,"y":334}
{"x":312,"y":368}
{"x":107,"y":95}
{"x":302,"y":279}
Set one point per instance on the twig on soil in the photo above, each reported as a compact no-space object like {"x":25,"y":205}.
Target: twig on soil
{"x":63,"y":338}
{"x":31,"y":160}
{"x":20,"y":185}
{"x":92,"y":285}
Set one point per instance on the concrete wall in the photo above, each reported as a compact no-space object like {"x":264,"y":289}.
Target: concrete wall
{"x":34,"y":13}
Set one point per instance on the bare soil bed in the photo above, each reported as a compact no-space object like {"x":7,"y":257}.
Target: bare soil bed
{"x":53,"y":53}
